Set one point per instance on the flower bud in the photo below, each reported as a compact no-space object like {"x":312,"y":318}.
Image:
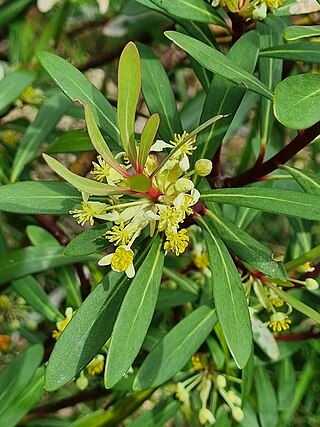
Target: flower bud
{"x":203,"y":167}
{"x":183,"y":185}
{"x":311,"y":284}
{"x":221,"y":381}
{"x":237,"y":414}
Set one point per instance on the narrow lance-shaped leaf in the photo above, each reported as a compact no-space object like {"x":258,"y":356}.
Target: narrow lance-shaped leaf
{"x":158,"y":94}
{"x":129,"y":85}
{"x":48,"y":116}
{"x":224,"y":97}
{"x":35,"y":197}
{"x":78,"y":88}
{"x":195,"y":10}
{"x":298,"y":51}
{"x":246,"y":247}
{"x":33,"y":259}
{"x":87,"y":331}
{"x":218,"y":63}
{"x":266,"y":397}
{"x":18,"y":373}
{"x":99,"y":143}
{"x":147,"y":137}
{"x":82,"y":184}
{"x":301,"y":31}
{"x":229,"y":297}
{"x":278,"y":201}
{"x":135,"y":315}
{"x":309,"y":181}
{"x":34,"y":294}
{"x":176,"y":348}
{"x":13,"y":85}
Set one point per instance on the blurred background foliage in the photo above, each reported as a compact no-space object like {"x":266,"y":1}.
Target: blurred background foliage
{"x":282,"y":378}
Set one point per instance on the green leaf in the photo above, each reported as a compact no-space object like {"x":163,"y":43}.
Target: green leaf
{"x":78,"y":88}
{"x":120,"y":410}
{"x":12,"y":86}
{"x":35,"y":197}
{"x":266,"y":396}
{"x":301,"y":31}
{"x":47,"y":118}
{"x":297,"y":304}
{"x":129,"y":86}
{"x":176,"y":348}
{"x":246,"y":247}
{"x":135,"y":315}
{"x":297,"y":51}
{"x":18,"y":374}
{"x":218,"y":63}
{"x":174,"y":297}
{"x":90,"y":241}
{"x":139,"y":182}
{"x":147,"y":137}
{"x":278,"y":201}
{"x":297,"y":101}
{"x":39,"y":236}
{"x":224,"y":97}
{"x":31,"y":290}
{"x":158,"y":93}
{"x":71,"y":141}
{"x":86,"y":185}
{"x":11,"y":9}
{"x":309,"y":181}
{"x":98,"y":142}
{"x":286,"y":383}
{"x":229,"y":298}
{"x":86,"y":333}
{"x":195,"y":10}
{"x":23,"y":403}
{"x":51,"y":31}
{"x":270,"y":73}
{"x":247,"y":380}
{"x":157,"y":416}
{"x":33,"y":259}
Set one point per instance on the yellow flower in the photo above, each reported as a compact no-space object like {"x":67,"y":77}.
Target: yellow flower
{"x":197,"y":362}
{"x":279,"y":322}
{"x":120,"y":260}
{"x":118,"y":234}
{"x":169,"y":217}
{"x":9,"y":137}
{"x":305,"y":268}
{"x":176,"y":241}
{"x":88,"y":212}
{"x":275,"y":299}
{"x":62,"y":324}
{"x":96,"y":365}
{"x":104,"y":172}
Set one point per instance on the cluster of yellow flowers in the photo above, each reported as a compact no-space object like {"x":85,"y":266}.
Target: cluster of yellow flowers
{"x":204,"y":381}
{"x":269,"y":297}
{"x":256,"y":9}
{"x":162,"y":206}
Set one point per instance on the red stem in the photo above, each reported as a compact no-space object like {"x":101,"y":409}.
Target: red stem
{"x":259,"y":172}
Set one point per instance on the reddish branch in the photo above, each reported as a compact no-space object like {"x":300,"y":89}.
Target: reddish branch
{"x":53,"y":407}
{"x":298,"y":337}
{"x":259,"y":172}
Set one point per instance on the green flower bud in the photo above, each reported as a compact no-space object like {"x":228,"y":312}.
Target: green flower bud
{"x":183,"y":185}
{"x":237,"y":414}
{"x":311,"y":284}
{"x":203,"y":167}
